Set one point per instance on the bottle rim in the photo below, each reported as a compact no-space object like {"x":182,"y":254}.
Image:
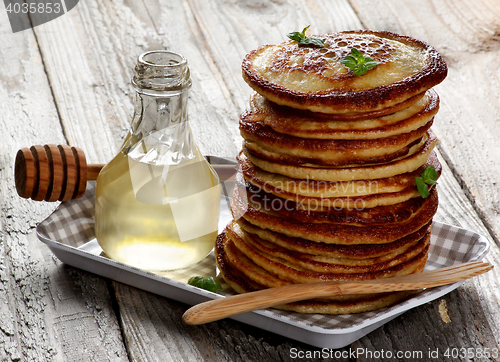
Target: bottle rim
{"x":159,"y":71}
{"x":174,"y":63}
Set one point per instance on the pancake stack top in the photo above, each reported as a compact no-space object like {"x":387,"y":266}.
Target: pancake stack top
{"x":327,"y":178}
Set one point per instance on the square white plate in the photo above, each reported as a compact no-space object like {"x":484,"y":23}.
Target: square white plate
{"x":69,"y":233}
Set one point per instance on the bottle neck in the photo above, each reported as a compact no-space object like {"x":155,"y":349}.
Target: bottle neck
{"x":161,"y":73}
{"x":162,"y":85}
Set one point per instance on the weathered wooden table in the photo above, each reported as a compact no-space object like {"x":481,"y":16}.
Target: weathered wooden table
{"x":68,"y":81}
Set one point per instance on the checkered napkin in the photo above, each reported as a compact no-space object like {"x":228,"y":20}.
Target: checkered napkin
{"x":72,"y":226}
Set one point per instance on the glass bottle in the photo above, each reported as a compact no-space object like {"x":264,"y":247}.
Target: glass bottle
{"x":157,"y":202}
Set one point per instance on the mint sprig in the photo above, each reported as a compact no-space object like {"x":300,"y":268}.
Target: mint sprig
{"x":429,"y":177}
{"x":300,"y":37}
{"x":358,"y":63}
{"x":208,"y":283}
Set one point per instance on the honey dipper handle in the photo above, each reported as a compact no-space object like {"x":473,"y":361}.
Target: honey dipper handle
{"x":52,"y":172}
{"x":93,"y":170}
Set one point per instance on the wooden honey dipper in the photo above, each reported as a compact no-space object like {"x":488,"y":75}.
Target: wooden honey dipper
{"x":53,"y":172}
{"x":60,"y":172}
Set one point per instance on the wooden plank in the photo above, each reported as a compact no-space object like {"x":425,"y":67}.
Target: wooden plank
{"x":228,"y":30}
{"x":107,"y":36}
{"x":455,"y":209}
{"x":90,"y":55}
{"x":161,"y":334}
{"x":48,"y":311}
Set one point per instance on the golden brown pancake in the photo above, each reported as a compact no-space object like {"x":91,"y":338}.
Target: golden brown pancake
{"x":331,"y":158}
{"x":360,"y":254}
{"x":272,"y":274}
{"x":413,"y":161}
{"x":336,"y":233}
{"x":264,"y":141}
{"x":317,"y":195}
{"x":284,"y":270}
{"x":360,"y":216}
{"x":334,"y":305}
{"x":316,"y":80}
{"x":305,"y":124}
{"x":266,"y":254}
{"x":364,"y":303}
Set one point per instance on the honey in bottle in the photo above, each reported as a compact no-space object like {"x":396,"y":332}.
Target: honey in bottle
{"x":157,"y":202}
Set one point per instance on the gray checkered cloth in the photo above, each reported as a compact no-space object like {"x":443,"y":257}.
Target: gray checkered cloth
{"x":71,"y":226}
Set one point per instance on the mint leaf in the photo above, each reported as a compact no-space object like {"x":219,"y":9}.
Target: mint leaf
{"x":311,"y":41}
{"x":350,"y":62}
{"x":358,"y":63}
{"x":295,"y":36}
{"x":301,"y":39}
{"x":298,"y":36}
{"x":208,"y":283}
{"x":422,"y":187}
{"x":429,"y":177}
{"x":357,"y":54}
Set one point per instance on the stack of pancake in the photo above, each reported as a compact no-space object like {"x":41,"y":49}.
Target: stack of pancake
{"x":326,"y":182}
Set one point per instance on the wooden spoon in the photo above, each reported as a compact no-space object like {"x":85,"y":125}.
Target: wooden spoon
{"x":61,"y":172}
{"x":237,"y":304}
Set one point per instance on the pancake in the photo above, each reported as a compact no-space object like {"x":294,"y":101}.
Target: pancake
{"x":333,"y":159}
{"x":367,"y":303}
{"x":314,"y":78}
{"x":273,"y":274}
{"x":317,"y":195}
{"x":365,"y":172}
{"x":305,"y":124}
{"x":359,"y":216}
{"x":335,"y":305}
{"x":264,"y":141}
{"x":336,"y":233}
{"x":265,"y":253}
{"x":360,"y":254}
